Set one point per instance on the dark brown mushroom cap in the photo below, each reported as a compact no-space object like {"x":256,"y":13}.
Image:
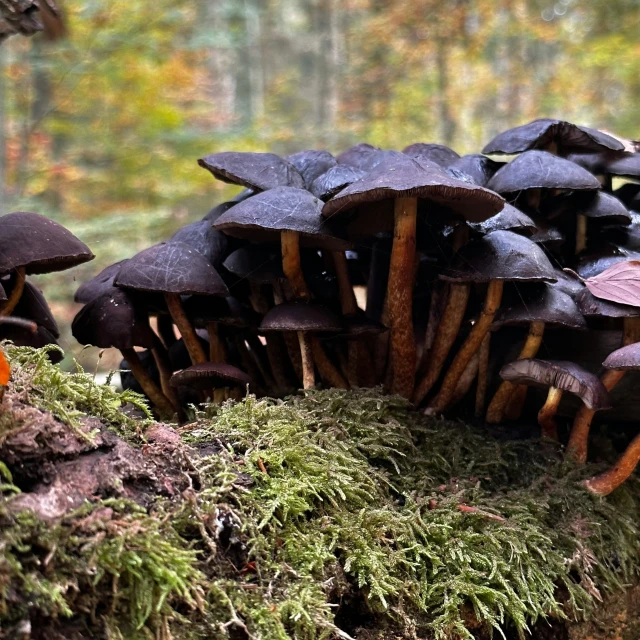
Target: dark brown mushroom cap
{"x":539,"y":133}
{"x":171,"y":267}
{"x":593,"y":263}
{"x":210,"y":374}
{"x":627,"y":166}
{"x":40,"y":245}
{"x":604,"y":205}
{"x":259,"y":171}
{"x":541,"y":170}
{"x":335,"y":180}
{"x":218,"y":210}
{"x":202,"y":237}
{"x":361,"y":156}
{"x":625,"y":359}
{"x":256,"y":263}
{"x":438,"y":153}
{"x":478,"y":167}
{"x":263,"y":217}
{"x":509,"y":219}
{"x":501,"y":255}
{"x":301,"y":316}
{"x":16,"y":323}
{"x":590,"y":306}
{"x":311,"y":164}
{"x":568,"y":283}
{"x":400,"y":176}
{"x":100,"y":283}
{"x":22,"y":334}
{"x":228,"y":311}
{"x":113,"y":320}
{"x":33,"y":306}
{"x":566,"y":376}
{"x":547,"y":235}
{"x":549,"y":305}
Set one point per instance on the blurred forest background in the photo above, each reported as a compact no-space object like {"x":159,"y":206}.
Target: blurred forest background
{"x":102,"y":130}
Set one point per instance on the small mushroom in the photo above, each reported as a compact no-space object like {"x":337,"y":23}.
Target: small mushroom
{"x":558,"y":376}
{"x":478,"y":167}
{"x":201,"y":236}
{"x":432,"y":152}
{"x":100,"y":283}
{"x":335,"y":180}
{"x":33,"y":306}
{"x":311,"y":164}
{"x":211,"y":375}
{"x":361,"y":156}
{"x":509,"y":219}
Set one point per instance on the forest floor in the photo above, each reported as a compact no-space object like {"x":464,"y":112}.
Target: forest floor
{"x":327,"y":515}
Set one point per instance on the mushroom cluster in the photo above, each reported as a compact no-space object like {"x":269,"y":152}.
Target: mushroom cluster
{"x":472,"y":268}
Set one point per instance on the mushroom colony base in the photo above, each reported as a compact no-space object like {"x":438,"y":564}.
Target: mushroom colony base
{"x":329,"y":514}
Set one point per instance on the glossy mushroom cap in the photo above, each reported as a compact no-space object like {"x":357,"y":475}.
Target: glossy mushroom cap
{"x":210,"y":374}
{"x":592,"y":264}
{"x":33,"y":306}
{"x":202,"y":237}
{"x":566,"y":376}
{"x":258,"y":171}
{"x":335,"y":180}
{"x":171,"y":267}
{"x":112,"y":320}
{"x":400,"y":176}
{"x":265,"y":215}
{"x":509,"y":219}
{"x":549,"y":305}
{"x":301,"y":316}
{"x":603,"y":205}
{"x":255,"y":263}
{"x":311,"y":164}
{"x":478,"y":167}
{"x":541,"y":170}
{"x":625,"y":359}
{"x":40,"y":245}
{"x":100,"y":283}
{"x":438,"y":153}
{"x":548,"y":236}
{"x":501,"y":255}
{"x":541,"y":132}
{"x":361,"y":156}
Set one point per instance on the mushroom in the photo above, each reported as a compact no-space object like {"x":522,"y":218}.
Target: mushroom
{"x":210,"y":375}
{"x":559,"y":376}
{"x":549,"y":307}
{"x":335,"y":180}
{"x":202,"y":237}
{"x":361,"y":156}
{"x":509,"y":219}
{"x":478,"y":167}
{"x":33,"y":306}
{"x":174,"y":269}
{"x":311,"y":164}
{"x":100,"y":283}
{"x":442,"y":155}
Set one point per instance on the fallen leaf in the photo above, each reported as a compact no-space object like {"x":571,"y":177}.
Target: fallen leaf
{"x":619,"y":283}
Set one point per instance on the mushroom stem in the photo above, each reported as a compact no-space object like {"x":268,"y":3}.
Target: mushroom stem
{"x":400,"y":296}
{"x":546,"y":415}
{"x":498,"y":404}
{"x":604,"y":483}
{"x":466,"y":379}
{"x":217,"y":350}
{"x":483,"y":372}
{"x":578,"y":444}
{"x":165,"y":329}
{"x":308,"y":373}
{"x":469,"y":347}
{"x":445,"y":336}
{"x":189,"y":336}
{"x":258,"y":353}
{"x":533,"y":198}
{"x":151,"y":389}
{"x":327,"y":370}
{"x":291,"y":264}
{"x":581,"y":233}
{"x":631,"y":331}
{"x":438,"y":294}
{"x":16,"y":293}
{"x":163,"y":364}
{"x":348,"y":301}
{"x":515,"y":404}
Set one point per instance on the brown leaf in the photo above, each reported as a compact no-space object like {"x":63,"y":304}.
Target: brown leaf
{"x":619,"y":283}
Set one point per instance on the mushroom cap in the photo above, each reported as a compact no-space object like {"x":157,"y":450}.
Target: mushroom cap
{"x":604,"y":205}
{"x":590,"y":306}
{"x":627,"y":166}
{"x":33,"y":306}
{"x":626,"y":359}
{"x":202,"y":237}
{"x":26,"y":334}
{"x":550,"y":305}
{"x":592,"y":264}
{"x":301,"y":316}
{"x":478,"y":167}
{"x":547,"y":235}
{"x":311,"y":163}
{"x":256,"y":263}
{"x":501,"y":255}
{"x":569,"y":284}
{"x":361,"y":156}
{"x":541,"y":132}
{"x":400,"y":176}
{"x":227,"y":311}
{"x":438,"y":153}
{"x":100,"y":283}
{"x":210,"y":374}
{"x":39,"y":244}
{"x":566,"y":376}
{"x":112,"y":320}
{"x":263,"y":217}
{"x":171,"y":267}
{"x":258,"y":171}
{"x":335,"y":180}
{"x":219,"y":209}
{"x":541,"y":170}
{"x":509,"y":219}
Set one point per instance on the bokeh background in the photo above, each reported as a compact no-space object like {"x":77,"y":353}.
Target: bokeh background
{"x":102,"y":130}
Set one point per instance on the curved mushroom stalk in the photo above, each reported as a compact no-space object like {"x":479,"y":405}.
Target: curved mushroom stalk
{"x":16,"y":292}
{"x":328,"y":371}
{"x":606,"y":482}
{"x":217,"y":350}
{"x":546,"y":415}
{"x":348,"y":302}
{"x":163,"y":364}
{"x":189,"y":336}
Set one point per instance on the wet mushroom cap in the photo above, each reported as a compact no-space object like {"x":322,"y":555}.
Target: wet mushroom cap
{"x":335,"y":180}
{"x":361,"y":156}
{"x":400,"y":176}
{"x":100,"y":283}
{"x":259,"y":171}
{"x":548,"y":235}
{"x":509,"y":219}
{"x":255,"y":263}
{"x":263,"y":217}
{"x":301,"y":316}
{"x":311,"y":164}
{"x":566,"y":376}
{"x":543,"y":131}
{"x":210,"y":374}
{"x":625,"y":359}
{"x":541,"y":170}
{"x":33,"y":306}
{"x":501,"y":255}
{"x":202,"y":237}
{"x":478,"y":167}
{"x":39,"y":244}
{"x":438,"y":153}
{"x":592,"y":264}
{"x":171,"y":267}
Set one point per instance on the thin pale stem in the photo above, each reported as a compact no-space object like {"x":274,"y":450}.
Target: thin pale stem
{"x":308,"y":375}
{"x":581,"y":233}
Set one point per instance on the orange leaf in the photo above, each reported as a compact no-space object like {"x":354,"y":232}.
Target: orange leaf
{"x":5,"y":370}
